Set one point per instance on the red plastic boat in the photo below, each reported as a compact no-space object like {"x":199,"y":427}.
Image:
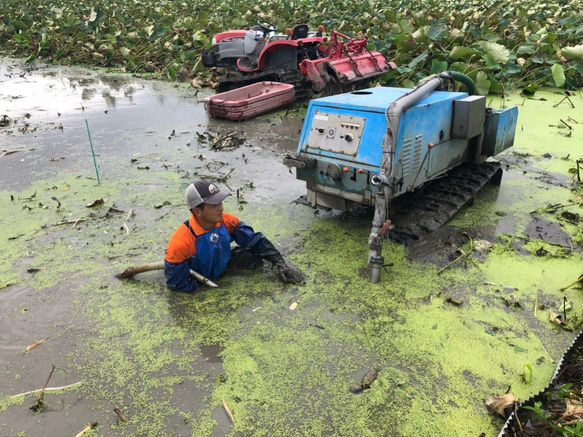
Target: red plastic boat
{"x":250,"y":100}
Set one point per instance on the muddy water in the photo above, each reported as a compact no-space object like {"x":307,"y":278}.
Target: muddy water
{"x":65,"y":119}
{"x":282,"y":358}
{"x":101,"y":127}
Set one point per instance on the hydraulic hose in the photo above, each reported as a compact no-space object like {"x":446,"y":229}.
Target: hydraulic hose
{"x":466,"y":80}
{"x":393,"y":115}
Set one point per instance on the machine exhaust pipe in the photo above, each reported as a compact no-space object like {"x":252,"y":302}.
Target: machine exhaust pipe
{"x":393,"y":115}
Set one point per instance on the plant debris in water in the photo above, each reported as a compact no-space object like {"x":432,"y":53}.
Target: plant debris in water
{"x":366,"y":381}
{"x":557,"y":410}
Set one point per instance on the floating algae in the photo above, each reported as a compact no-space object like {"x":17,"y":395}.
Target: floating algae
{"x":140,"y":347}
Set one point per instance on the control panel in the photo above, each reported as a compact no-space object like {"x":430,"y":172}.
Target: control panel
{"x":337,"y":133}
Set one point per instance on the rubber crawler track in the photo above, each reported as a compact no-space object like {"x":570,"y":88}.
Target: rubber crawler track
{"x":435,"y":204}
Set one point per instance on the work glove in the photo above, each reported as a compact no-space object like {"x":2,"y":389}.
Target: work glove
{"x":287,"y":272}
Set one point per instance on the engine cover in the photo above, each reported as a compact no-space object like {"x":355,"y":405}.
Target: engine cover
{"x":343,"y":144}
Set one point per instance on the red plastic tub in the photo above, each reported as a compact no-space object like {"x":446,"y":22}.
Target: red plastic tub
{"x":250,"y":100}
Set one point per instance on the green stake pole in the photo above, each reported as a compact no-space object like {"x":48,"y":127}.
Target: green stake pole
{"x":92,"y":152}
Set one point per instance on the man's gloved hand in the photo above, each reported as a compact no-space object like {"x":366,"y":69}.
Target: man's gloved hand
{"x":289,"y":273}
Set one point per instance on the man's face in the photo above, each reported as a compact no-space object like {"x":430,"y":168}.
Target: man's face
{"x":209,"y":215}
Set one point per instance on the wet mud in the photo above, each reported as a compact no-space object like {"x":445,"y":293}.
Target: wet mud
{"x":281,"y":358}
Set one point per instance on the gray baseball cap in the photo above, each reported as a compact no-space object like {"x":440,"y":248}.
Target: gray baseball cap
{"x":204,"y":192}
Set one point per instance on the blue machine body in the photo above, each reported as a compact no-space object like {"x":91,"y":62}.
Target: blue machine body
{"x":344,"y":142}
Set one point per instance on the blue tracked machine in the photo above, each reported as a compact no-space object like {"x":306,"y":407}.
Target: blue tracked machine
{"x":375,"y":145}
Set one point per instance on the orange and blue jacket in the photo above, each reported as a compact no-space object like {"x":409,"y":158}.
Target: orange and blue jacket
{"x":208,"y":252}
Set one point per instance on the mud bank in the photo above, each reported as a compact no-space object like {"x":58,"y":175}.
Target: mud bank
{"x":282,"y":358}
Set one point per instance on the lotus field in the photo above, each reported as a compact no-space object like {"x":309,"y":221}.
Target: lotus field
{"x":500,"y":44}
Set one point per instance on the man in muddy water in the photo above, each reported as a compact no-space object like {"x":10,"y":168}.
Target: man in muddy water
{"x":203,"y":243}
